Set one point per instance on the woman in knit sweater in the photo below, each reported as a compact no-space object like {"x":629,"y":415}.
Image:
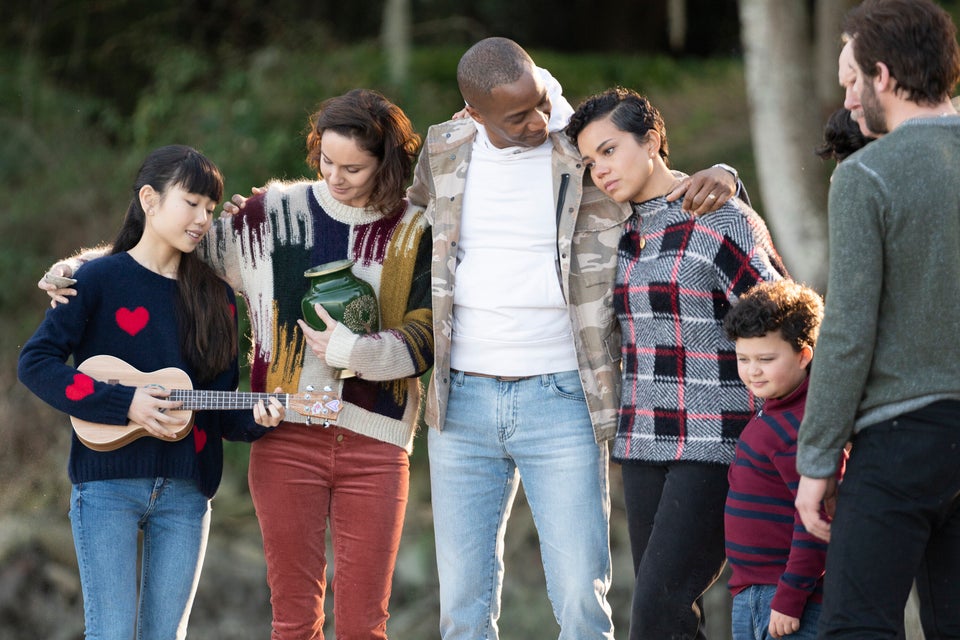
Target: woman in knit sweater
{"x":682,"y":403}
{"x":353,"y":475}
{"x":154,"y":305}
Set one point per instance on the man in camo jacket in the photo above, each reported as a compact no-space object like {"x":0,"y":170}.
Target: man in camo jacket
{"x":526,"y":380}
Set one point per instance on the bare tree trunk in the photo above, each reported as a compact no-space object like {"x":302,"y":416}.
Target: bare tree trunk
{"x":677,"y":24}
{"x":828,"y":21}
{"x":911,"y":617}
{"x":786,"y":127}
{"x":396,"y":39}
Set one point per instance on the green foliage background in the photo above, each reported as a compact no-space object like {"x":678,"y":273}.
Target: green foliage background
{"x":69,"y":152}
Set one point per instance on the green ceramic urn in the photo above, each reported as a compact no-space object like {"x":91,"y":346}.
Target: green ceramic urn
{"x":346,"y":297}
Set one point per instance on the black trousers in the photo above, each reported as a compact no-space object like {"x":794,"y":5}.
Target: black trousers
{"x":898,"y":516}
{"x":675,"y":522}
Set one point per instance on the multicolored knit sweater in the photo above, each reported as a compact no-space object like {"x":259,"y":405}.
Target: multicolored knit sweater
{"x":765,"y":538}
{"x":127,"y":311}
{"x":263,"y":253}
{"x":677,"y":276}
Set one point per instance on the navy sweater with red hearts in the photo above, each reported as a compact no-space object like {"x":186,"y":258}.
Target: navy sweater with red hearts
{"x":127,"y":311}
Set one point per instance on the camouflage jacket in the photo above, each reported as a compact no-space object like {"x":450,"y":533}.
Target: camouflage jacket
{"x":589,"y":227}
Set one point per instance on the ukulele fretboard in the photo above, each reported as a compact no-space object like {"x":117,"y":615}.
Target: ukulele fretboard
{"x":200,"y":399}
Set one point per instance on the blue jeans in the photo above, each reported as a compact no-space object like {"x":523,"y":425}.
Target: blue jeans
{"x":496,"y":434}
{"x":107,"y":517}
{"x":750,"y":616}
{"x":897,"y":518}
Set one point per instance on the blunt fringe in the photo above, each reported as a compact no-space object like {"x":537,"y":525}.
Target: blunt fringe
{"x":206,"y":324}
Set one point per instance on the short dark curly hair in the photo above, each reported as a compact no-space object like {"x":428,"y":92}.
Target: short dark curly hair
{"x":793,"y":309}
{"x":841,"y":136}
{"x":628,"y":111}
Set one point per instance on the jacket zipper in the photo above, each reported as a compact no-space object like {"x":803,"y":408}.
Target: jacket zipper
{"x":561,"y":198}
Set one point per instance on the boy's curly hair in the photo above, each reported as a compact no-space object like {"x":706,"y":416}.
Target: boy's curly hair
{"x":793,"y":309}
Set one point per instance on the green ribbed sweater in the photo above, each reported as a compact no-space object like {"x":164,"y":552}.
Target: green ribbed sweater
{"x":890,"y":339}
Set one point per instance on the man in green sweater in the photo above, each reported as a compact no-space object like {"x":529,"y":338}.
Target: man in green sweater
{"x":888,"y":369}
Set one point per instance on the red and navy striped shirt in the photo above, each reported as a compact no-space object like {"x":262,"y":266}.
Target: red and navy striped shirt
{"x":765,"y":539}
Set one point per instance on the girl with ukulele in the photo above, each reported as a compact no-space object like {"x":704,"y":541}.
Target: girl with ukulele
{"x":153,"y":304}
{"x":350,"y":475}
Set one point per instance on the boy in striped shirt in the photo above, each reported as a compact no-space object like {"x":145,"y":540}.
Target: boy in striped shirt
{"x":777,"y":567}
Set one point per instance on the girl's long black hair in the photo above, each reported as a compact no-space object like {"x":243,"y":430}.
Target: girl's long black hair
{"x":207,"y":329}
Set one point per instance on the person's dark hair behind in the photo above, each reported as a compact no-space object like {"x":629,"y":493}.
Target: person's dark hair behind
{"x":841,"y":136}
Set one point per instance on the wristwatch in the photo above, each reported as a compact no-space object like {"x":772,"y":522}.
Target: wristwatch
{"x":726,"y":167}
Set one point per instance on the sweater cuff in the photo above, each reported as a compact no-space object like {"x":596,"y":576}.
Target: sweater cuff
{"x":814,"y":462}
{"x":341,"y":346}
{"x":789,"y":601}
{"x":117,"y":404}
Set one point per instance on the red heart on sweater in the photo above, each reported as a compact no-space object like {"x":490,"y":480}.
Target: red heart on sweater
{"x":199,"y":439}
{"x":132,"y":321}
{"x":82,"y":387}
{"x":233,"y":310}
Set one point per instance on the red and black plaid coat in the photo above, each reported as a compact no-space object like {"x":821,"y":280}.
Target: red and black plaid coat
{"x":677,"y":276}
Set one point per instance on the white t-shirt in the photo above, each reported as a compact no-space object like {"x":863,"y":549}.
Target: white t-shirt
{"x":509,"y":314}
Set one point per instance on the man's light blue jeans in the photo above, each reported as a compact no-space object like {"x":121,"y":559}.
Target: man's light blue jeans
{"x":536,"y":430}
{"x":106,"y":517}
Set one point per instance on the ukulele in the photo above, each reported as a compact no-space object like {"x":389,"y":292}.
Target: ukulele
{"x":323,"y":406}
